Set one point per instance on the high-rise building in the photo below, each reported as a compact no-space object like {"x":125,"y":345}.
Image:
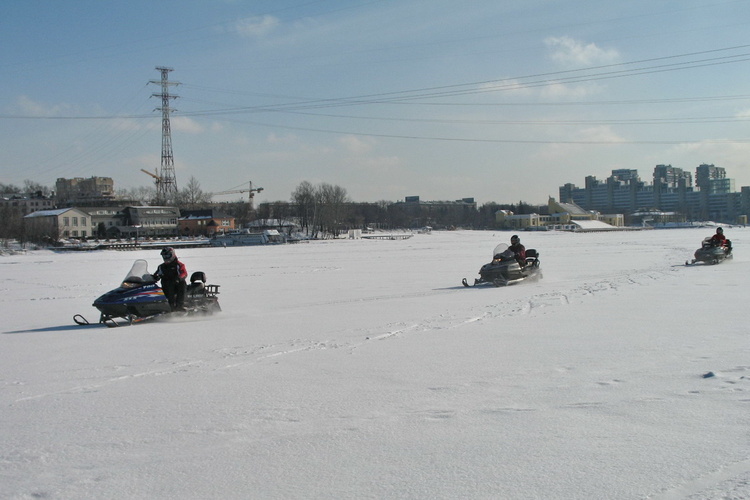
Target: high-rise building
{"x":672,"y":191}
{"x":79,"y":191}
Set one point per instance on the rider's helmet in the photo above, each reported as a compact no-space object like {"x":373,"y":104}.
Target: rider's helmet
{"x":515,"y":239}
{"x":168,"y":254}
{"x":719,"y":230}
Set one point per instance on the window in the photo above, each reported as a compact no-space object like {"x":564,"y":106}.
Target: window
{"x":66,"y":221}
{"x":75,"y":221}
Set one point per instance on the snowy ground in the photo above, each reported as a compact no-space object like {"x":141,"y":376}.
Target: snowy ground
{"x":363,"y":369}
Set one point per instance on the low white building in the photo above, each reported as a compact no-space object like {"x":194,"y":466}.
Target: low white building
{"x":58,"y":224}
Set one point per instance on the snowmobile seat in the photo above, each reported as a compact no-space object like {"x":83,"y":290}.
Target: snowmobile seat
{"x":197,"y":284}
{"x":532,"y":257}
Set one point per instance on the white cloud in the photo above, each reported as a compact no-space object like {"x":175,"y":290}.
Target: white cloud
{"x":30,"y":107}
{"x":146,"y":161}
{"x":274,"y":138}
{"x":561,"y":90}
{"x":567,"y":51}
{"x":725,"y":155}
{"x":185,"y":124}
{"x":509,"y":86}
{"x":129,"y":125}
{"x":574,"y":147}
{"x":356,"y":144}
{"x":255,"y":26}
{"x":382,"y":165}
{"x":602,"y":133}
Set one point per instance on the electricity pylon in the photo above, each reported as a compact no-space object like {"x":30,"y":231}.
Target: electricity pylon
{"x":166,"y":188}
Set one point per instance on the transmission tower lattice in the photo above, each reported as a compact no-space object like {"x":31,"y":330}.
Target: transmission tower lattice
{"x":166,"y":181}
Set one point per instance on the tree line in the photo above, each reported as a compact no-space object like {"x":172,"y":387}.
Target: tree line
{"x":320,"y":211}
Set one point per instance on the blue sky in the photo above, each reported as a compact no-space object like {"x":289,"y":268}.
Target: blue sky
{"x":497,"y":100}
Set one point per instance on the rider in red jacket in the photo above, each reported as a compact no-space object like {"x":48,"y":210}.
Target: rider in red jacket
{"x":719,"y":239}
{"x":173,"y":276}
{"x":518,"y":249}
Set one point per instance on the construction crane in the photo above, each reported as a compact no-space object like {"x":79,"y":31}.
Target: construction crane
{"x":159,"y":183}
{"x":251,"y":190}
{"x":157,"y":180}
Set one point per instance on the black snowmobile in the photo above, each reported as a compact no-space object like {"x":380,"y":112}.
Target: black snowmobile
{"x":711,"y":252}
{"x":506,"y":270}
{"x":140,"y":298}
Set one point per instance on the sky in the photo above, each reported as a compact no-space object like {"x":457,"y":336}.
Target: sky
{"x":496,"y":101}
{"x":329,"y":375}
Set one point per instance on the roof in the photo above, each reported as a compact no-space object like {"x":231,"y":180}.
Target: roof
{"x":49,"y":213}
{"x":572,"y":208}
{"x":593,"y":225}
{"x":196,"y":217}
{"x":205,"y":213}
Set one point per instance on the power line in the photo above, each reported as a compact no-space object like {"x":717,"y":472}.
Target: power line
{"x":480,"y":87}
{"x":496,"y":141}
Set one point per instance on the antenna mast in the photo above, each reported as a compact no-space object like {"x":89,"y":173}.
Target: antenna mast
{"x":166,"y":188}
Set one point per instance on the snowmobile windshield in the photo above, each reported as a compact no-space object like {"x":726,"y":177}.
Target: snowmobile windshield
{"x":138,"y":274}
{"x":502,"y":252}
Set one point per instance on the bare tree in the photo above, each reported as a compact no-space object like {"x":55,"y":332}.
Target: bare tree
{"x":30,"y":186}
{"x":192,"y":196}
{"x":11,"y":223}
{"x":142,"y":194}
{"x":332,"y":207}
{"x":9,"y":188}
{"x":303,"y":198}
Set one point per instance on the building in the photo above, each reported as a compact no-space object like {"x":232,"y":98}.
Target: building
{"x":208,"y":222}
{"x":439,"y":213}
{"x":80,"y":191}
{"x":672,"y":177}
{"x":106,"y":220}
{"x":713,"y":180}
{"x":147,"y":221}
{"x":58,"y":224}
{"x":26,"y":203}
{"x":506,"y":219}
{"x":712,"y":197}
{"x":561,"y":216}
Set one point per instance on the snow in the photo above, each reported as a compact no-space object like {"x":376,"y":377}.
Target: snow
{"x":363,"y":369}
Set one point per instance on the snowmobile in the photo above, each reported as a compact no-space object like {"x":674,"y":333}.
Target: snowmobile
{"x":140,"y":298}
{"x":711,"y":252}
{"x":506,"y":270}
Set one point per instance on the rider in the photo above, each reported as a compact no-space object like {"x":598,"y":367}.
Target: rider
{"x":720,"y":240}
{"x":172,"y":274}
{"x":519,"y":251}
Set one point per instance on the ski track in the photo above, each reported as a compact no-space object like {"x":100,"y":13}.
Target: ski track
{"x":233,"y":357}
{"x":727,"y":483}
